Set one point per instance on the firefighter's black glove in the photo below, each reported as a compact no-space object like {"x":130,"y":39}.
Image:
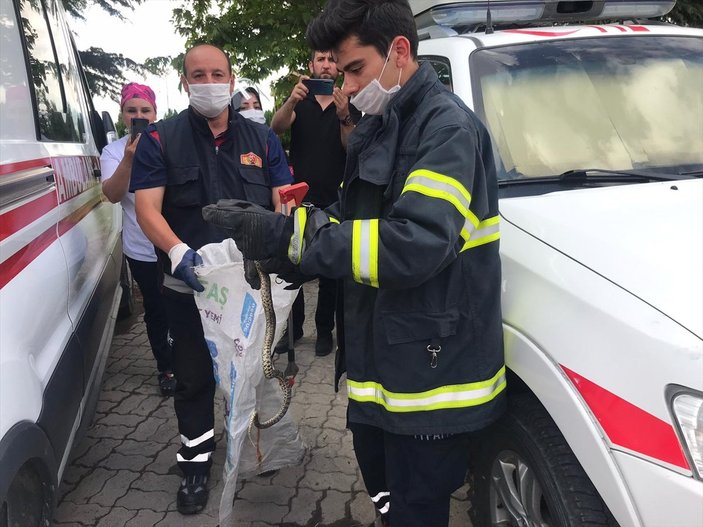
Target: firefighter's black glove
{"x":261,"y":234}
{"x":251,"y":274}
{"x":258,"y":233}
{"x":282,"y":267}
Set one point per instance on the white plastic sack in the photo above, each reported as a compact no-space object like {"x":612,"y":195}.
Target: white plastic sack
{"x":234,"y":324}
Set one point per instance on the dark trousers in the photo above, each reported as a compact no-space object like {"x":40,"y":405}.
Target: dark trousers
{"x":415,"y":475}
{"x":324,"y":312}
{"x":195,"y":387}
{"x":146,"y":274}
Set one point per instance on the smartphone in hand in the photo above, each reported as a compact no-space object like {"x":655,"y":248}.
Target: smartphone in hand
{"x":319,"y":86}
{"x":137,"y":127}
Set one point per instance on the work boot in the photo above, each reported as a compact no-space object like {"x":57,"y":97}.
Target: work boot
{"x":167,"y":383}
{"x":323,"y":346}
{"x":282,"y":346}
{"x":192,"y":494}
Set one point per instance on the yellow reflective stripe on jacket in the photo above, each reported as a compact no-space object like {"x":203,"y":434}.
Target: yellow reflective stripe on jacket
{"x":437,"y":185}
{"x":333,"y":219}
{"x":365,"y":252}
{"x":443,"y":398}
{"x":486,"y":231}
{"x":295,"y":248}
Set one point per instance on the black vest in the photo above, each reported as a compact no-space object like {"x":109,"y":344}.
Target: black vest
{"x":200,"y":173}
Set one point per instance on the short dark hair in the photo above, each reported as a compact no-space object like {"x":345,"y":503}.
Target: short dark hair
{"x":374,"y":22}
{"x":199,"y":44}
{"x":316,"y":51}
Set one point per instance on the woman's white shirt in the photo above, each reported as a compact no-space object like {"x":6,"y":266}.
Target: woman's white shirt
{"x":135,"y":244}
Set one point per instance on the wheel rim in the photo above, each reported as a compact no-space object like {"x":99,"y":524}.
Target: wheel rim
{"x":516,"y":497}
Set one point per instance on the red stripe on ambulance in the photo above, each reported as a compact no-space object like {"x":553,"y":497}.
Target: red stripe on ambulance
{"x":26,"y":255}
{"x":540,"y":33}
{"x":9,"y":168}
{"x":18,"y":218}
{"x":628,"y":425}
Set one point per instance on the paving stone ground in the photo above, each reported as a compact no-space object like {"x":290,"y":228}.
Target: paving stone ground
{"x":123,"y":472}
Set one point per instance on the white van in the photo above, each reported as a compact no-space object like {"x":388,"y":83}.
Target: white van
{"x":60,"y":257}
{"x":598,"y":133}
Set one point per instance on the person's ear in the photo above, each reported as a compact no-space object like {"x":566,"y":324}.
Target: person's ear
{"x":184,"y":83}
{"x":310,"y":67}
{"x":403,"y":57}
{"x":231,"y":84}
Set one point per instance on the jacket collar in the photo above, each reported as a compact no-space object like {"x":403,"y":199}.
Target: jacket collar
{"x":200,"y":125}
{"x":376,"y":137}
{"x":411,"y":95}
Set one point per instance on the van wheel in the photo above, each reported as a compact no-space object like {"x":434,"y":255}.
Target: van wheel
{"x":524,"y":474}
{"x":29,"y":500}
{"x":126,"y":308}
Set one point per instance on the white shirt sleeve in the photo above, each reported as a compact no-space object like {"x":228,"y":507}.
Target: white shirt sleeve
{"x":111,"y":157}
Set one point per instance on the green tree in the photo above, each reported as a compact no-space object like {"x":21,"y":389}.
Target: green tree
{"x":687,"y":13}
{"x":170,"y":113}
{"x":104,"y":69}
{"x":120,"y":126}
{"x":261,"y":36}
{"x":75,"y":8}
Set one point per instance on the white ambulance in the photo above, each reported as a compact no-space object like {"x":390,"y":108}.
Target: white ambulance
{"x":598,"y":129}
{"x":60,"y":257}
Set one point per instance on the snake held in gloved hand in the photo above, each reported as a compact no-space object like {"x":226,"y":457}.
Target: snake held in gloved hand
{"x":269,"y":371}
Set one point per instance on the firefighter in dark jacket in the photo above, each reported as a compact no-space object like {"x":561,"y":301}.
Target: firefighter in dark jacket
{"x":413,"y":241}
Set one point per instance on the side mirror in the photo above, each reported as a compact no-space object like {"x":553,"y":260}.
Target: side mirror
{"x":98,"y":130}
{"x":109,"y":127}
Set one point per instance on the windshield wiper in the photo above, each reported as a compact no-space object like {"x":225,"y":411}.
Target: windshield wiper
{"x":596,"y":175}
{"x":624,"y":176}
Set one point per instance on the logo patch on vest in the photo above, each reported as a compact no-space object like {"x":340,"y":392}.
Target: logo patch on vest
{"x":251,"y":159}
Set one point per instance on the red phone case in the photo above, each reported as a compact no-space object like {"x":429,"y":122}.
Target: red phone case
{"x":294,"y":193}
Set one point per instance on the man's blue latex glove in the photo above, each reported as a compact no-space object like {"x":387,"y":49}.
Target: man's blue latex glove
{"x":183,"y":259}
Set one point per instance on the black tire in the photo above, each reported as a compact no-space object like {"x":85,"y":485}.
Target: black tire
{"x":553,"y":489}
{"x":126,"y":308}
{"x":30,"y":499}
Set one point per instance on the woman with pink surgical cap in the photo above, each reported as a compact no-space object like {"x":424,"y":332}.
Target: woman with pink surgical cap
{"x":138,"y":101}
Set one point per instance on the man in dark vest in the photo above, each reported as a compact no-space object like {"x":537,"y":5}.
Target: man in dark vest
{"x":319,"y":126}
{"x":206,"y":153}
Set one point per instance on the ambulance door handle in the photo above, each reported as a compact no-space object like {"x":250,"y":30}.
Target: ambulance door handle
{"x":25,"y":183}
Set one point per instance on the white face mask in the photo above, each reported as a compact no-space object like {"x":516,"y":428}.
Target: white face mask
{"x":374,"y":98}
{"x":254,"y":115}
{"x":209,"y":100}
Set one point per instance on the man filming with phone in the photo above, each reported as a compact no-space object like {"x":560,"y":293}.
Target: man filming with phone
{"x":320,"y":119}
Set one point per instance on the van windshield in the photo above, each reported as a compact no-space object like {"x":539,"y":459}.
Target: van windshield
{"x":611,"y":103}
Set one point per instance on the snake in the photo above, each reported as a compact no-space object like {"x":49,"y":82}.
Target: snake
{"x":269,"y":371}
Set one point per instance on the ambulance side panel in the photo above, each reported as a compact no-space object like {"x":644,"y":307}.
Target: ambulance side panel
{"x":60,"y":250}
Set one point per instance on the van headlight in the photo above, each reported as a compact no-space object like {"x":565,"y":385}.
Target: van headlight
{"x":688,"y":410}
